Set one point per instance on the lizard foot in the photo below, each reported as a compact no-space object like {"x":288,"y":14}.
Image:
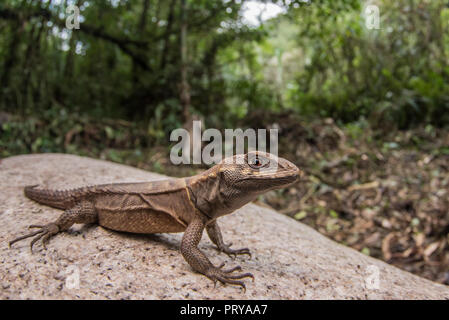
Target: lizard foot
{"x":225,"y":276}
{"x":234,"y":252}
{"x":44,"y":232}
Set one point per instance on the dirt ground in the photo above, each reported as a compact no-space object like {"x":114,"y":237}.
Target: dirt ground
{"x":386,"y":197}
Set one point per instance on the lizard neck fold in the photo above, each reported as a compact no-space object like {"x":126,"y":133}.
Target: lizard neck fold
{"x":212,"y":196}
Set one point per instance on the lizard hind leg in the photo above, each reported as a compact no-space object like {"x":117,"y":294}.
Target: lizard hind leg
{"x":83,"y":212}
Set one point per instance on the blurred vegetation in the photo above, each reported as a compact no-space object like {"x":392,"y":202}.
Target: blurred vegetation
{"x":395,"y":76}
{"x":317,"y":59}
{"x":363,"y":111}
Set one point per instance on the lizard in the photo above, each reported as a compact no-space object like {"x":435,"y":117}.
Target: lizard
{"x":190,"y":205}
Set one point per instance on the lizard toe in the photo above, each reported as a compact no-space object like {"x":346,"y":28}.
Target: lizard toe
{"x":224,"y":276}
{"x":229,"y":270}
{"x":233,"y":253}
{"x":44,"y":233}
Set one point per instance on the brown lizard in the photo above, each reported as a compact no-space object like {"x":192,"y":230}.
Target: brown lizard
{"x":187,"y":205}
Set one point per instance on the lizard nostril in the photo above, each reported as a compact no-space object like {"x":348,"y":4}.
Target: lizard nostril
{"x":289,"y":165}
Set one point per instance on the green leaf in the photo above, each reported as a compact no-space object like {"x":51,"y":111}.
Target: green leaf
{"x":366,"y":251}
{"x":300,"y":215}
{"x":333,"y":213}
{"x":109,"y":132}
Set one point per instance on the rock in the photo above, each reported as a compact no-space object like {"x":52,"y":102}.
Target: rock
{"x":290,"y":260}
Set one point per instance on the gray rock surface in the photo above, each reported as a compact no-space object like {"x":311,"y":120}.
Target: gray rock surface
{"x":290,"y":260}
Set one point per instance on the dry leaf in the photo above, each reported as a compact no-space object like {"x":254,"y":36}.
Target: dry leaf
{"x":369,"y":185}
{"x":431,"y":248}
{"x":386,"y":245}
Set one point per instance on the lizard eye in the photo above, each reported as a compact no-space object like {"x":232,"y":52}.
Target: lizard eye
{"x":256,"y":163}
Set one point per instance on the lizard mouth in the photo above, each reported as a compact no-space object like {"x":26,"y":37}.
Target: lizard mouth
{"x":285,"y":178}
{"x":276,"y":178}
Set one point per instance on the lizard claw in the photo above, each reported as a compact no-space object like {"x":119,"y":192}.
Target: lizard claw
{"x":234,"y":252}
{"x":224,"y":276}
{"x":44,"y":233}
{"x":239,"y":268}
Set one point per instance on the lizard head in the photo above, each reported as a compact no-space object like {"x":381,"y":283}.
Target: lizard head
{"x":238,"y":180}
{"x":257,"y":172}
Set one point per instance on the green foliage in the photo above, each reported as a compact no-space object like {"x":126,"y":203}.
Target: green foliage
{"x":318,"y":60}
{"x":57,"y":130}
{"x":395,"y":76}
{"x":124,"y":62}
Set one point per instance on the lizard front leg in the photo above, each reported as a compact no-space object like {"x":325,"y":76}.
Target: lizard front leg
{"x":214,"y":232}
{"x":200,"y":263}
{"x":83,"y":212}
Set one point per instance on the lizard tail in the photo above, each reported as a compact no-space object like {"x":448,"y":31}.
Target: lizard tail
{"x":60,"y":199}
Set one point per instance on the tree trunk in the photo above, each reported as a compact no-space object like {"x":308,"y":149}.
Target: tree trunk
{"x":143,"y":17}
{"x":141,"y":34}
{"x":184,"y":87}
{"x":167,"y":34}
{"x":9,"y":62}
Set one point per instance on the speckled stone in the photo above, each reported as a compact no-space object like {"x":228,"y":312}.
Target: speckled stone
{"x":290,"y":260}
